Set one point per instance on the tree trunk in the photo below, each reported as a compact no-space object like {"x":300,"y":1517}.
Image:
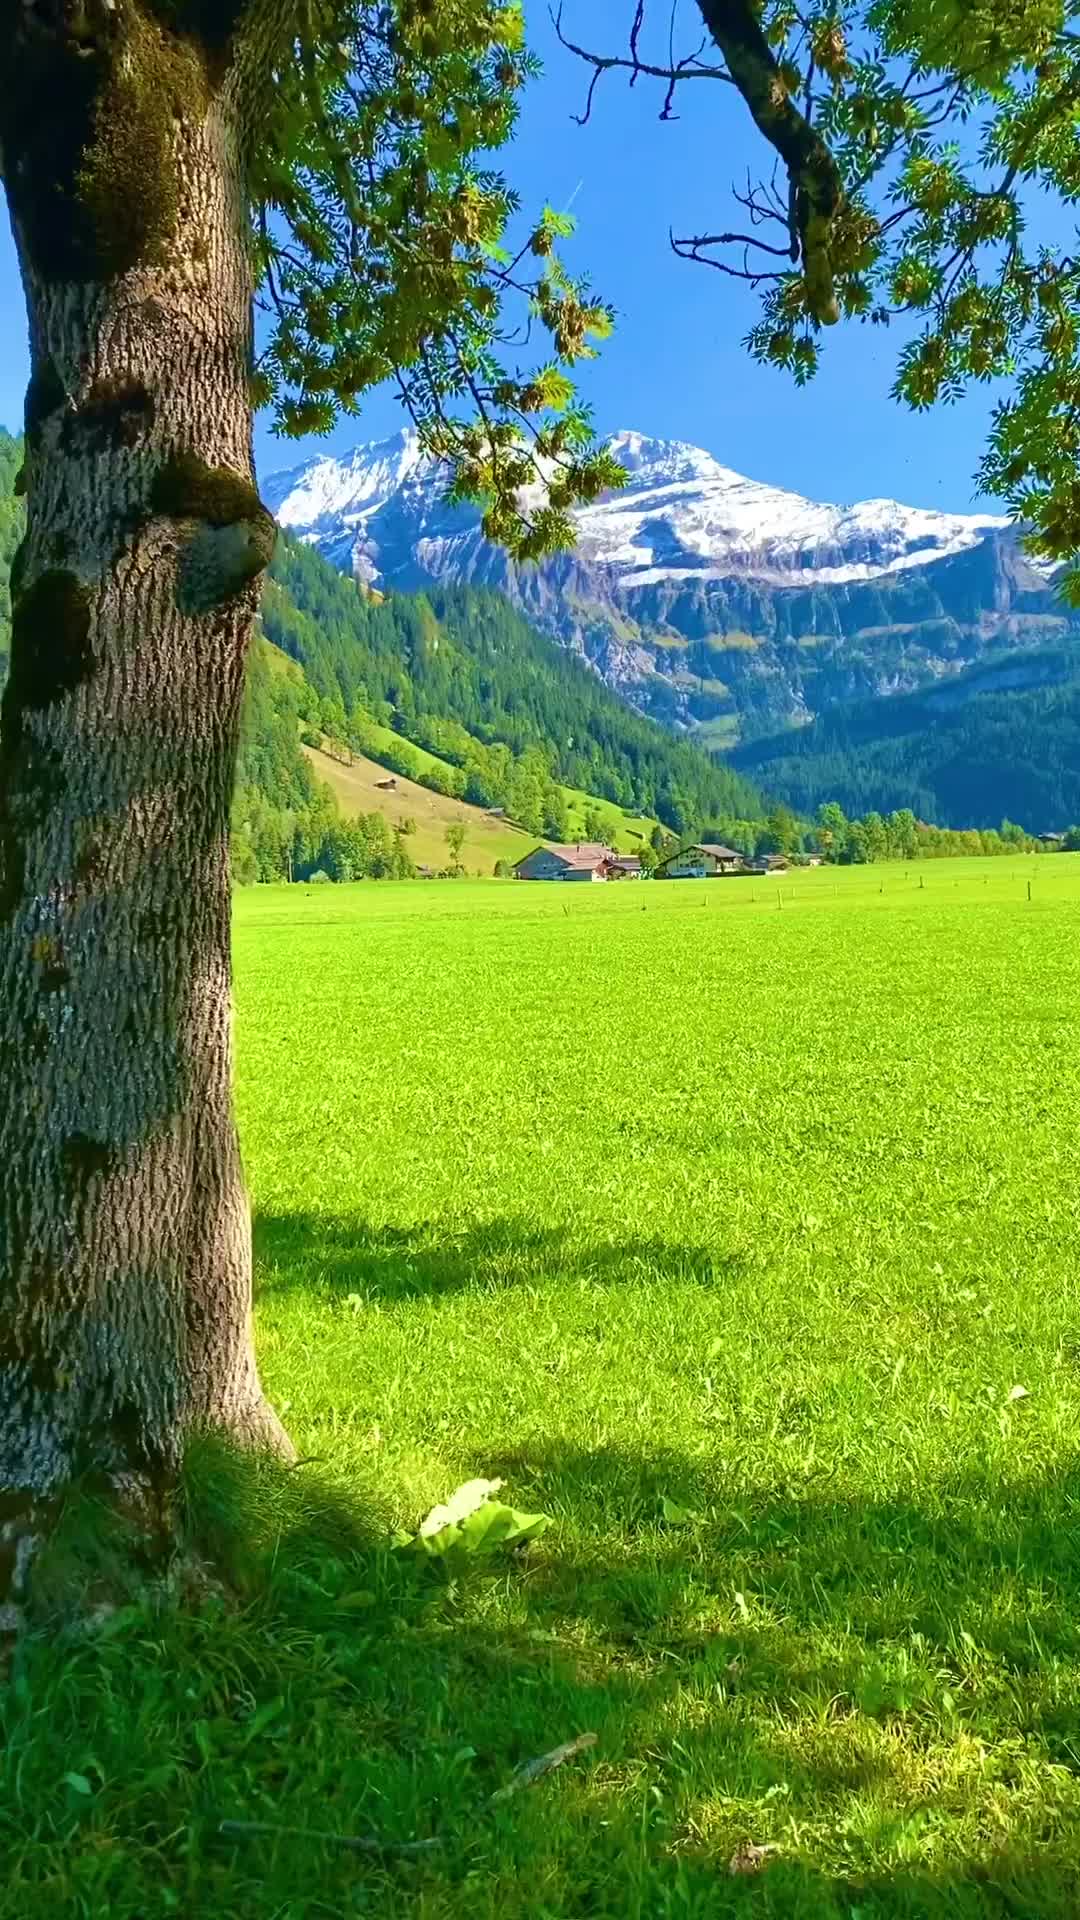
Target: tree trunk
{"x":125,"y":1263}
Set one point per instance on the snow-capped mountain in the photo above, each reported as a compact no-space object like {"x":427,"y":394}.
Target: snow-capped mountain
{"x":688,"y":585}
{"x":681,"y":515}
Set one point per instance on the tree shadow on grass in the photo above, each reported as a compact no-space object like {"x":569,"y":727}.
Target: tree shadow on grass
{"x":333,"y":1254}
{"x":769,"y":1664}
{"x":777,"y":1661}
{"x":992,"y":1559}
{"x":836,"y":1640}
{"x":769,"y":1671}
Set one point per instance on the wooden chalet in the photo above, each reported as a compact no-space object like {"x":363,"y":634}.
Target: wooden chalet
{"x":588,"y":860}
{"x":706,"y":862}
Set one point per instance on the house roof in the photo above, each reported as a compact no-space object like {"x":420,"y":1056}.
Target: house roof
{"x":585,"y":854}
{"x":705,"y":846}
{"x":588,"y":853}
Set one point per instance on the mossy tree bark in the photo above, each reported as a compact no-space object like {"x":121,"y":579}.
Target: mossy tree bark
{"x":125,"y":1282}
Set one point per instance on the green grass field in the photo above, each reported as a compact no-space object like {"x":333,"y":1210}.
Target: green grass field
{"x":727,"y":1232}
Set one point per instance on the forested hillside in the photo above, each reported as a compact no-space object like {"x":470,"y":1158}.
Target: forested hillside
{"x":458,"y":672}
{"x":1002,"y":740}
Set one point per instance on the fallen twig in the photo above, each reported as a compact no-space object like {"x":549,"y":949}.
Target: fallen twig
{"x":353,"y":1843}
{"x":747,"y":1858}
{"x":531,"y":1771}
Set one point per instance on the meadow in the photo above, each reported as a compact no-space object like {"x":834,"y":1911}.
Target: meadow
{"x":737,"y":1228}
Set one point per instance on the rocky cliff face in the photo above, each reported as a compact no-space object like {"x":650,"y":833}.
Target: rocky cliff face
{"x":709,"y":600}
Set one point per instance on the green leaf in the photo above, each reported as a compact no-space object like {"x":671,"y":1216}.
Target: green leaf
{"x":463,"y":1501}
{"x":562,"y":224}
{"x":78,"y":1783}
{"x":494,"y":1525}
{"x":676,"y":1516}
{"x":472,"y":1523}
{"x":262,"y":1718}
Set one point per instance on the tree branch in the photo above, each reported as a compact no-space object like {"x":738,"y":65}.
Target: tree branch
{"x":690,"y":249}
{"x":729,"y":240}
{"x":814,"y":175}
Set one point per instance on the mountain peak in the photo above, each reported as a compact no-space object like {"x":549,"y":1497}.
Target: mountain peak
{"x":328,"y":486}
{"x":640,"y":453}
{"x":380,"y":511}
{"x":709,"y":599}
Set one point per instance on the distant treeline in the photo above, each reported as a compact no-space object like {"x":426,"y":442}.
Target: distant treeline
{"x":832,"y":837}
{"x":900,"y":836}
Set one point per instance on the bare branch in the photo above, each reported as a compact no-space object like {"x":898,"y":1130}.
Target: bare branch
{"x":639,"y":22}
{"x":729,"y":240}
{"x":690,"y":249}
{"x":689,"y":68}
{"x":762,"y":202}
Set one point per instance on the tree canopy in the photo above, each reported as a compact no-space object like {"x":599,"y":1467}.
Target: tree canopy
{"x":913,"y":140}
{"x":384,"y":243}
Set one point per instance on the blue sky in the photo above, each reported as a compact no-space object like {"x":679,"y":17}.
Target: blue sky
{"x":675,"y":367}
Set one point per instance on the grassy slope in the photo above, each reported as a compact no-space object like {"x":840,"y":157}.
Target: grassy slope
{"x":626,"y":831}
{"x":775,"y":1241}
{"x":357,"y":791}
{"x":487,"y":840}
